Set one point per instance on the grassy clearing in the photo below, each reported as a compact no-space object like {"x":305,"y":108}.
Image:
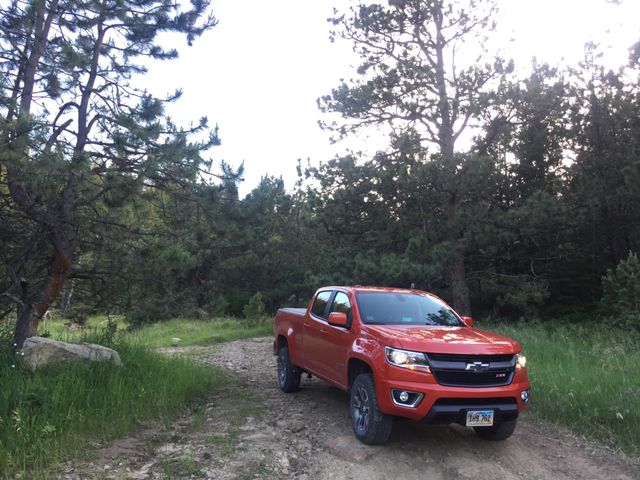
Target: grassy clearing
{"x":48,"y":415}
{"x":162,"y":334}
{"x":584,"y":377}
{"x":199,"y":332}
{"x":58,"y":327}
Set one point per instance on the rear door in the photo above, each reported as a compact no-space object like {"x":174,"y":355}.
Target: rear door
{"x":314,"y":329}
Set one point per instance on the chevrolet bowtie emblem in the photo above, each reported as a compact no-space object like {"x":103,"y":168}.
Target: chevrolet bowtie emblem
{"x":477,"y":367}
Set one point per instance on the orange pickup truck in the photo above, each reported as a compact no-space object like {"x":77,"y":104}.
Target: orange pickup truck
{"x":403,"y":353}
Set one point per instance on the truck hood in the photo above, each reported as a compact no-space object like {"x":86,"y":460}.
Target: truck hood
{"x":452,"y":340}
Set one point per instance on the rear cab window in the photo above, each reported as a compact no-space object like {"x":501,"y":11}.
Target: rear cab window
{"x":320,"y":304}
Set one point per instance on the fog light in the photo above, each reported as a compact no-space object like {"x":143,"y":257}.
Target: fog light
{"x":403,"y":398}
{"x":524,"y":395}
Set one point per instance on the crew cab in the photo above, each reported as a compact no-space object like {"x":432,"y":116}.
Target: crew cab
{"x":403,"y":353}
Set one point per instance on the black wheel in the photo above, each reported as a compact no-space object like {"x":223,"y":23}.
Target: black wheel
{"x":288,"y":375}
{"x":499,"y":431}
{"x":370,"y":425}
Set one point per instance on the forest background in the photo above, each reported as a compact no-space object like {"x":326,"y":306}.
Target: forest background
{"x":510,"y":195}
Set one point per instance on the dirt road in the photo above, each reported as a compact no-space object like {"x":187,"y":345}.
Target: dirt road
{"x":255,"y":431}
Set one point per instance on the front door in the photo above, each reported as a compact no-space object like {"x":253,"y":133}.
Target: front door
{"x":335,"y":342}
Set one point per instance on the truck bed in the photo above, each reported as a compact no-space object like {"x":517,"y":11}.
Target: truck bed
{"x":295,"y":311}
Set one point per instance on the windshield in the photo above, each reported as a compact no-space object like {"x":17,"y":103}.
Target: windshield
{"x":396,"y":308}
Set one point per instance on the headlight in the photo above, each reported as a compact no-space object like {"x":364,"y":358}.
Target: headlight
{"x":406,"y":359}
{"x":521,"y":360}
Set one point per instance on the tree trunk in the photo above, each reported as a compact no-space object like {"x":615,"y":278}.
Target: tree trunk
{"x":457,"y":270}
{"x":459,"y":290}
{"x":30,"y":313}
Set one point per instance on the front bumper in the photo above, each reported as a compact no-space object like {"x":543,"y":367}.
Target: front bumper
{"x":445,"y":404}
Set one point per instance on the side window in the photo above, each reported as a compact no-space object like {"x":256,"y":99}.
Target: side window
{"x":342,"y":304}
{"x":320,"y":305}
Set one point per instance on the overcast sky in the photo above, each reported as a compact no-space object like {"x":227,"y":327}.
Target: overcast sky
{"x":259,"y":72}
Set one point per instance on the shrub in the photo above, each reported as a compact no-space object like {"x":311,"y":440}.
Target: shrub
{"x":253,"y":311}
{"x":514,"y":295}
{"x":621,"y":293}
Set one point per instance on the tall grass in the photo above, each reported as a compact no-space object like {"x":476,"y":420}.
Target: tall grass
{"x":585,"y":377}
{"x":47,"y":415}
{"x":165,"y":333}
{"x":198,"y":332}
{"x":59,"y":327}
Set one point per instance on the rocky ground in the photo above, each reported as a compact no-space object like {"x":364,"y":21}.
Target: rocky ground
{"x":250,"y":429}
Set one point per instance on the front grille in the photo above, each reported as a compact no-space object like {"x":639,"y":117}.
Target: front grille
{"x":472,"y":370}
{"x":446,"y":357}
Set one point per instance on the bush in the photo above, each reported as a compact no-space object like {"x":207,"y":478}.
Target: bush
{"x":253,"y":311}
{"x":514,"y":295}
{"x":621,"y":293}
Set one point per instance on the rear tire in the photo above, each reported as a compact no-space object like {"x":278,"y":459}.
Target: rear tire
{"x":370,"y":425}
{"x":288,"y":375}
{"x":499,"y":431}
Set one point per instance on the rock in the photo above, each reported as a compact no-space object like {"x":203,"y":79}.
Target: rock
{"x":305,"y":444}
{"x":168,"y":449}
{"x":350,"y":449}
{"x":283,"y":461}
{"x":141,"y":474}
{"x":38,"y":352}
{"x":296,"y":426}
{"x":259,"y":437}
{"x":293,"y":425}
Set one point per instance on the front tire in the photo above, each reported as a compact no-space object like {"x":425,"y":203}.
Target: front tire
{"x":370,"y":425}
{"x":288,"y":375}
{"x":499,"y":431}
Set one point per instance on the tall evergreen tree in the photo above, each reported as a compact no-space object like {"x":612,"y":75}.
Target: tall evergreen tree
{"x":76,"y":133}
{"x":424,"y":74}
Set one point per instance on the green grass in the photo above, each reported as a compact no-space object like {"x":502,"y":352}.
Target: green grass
{"x":584,"y":377}
{"x":48,"y":415}
{"x":58,"y":327}
{"x":199,"y":332}
{"x":161,"y":334}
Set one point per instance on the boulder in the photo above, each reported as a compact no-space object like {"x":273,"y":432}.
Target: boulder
{"x":38,"y":352}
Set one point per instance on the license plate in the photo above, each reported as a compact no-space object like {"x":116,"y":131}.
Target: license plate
{"x":479,"y":418}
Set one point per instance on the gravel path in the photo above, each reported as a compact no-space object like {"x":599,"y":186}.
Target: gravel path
{"x":253,"y":430}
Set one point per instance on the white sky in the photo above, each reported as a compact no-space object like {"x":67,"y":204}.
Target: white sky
{"x":259,"y":72}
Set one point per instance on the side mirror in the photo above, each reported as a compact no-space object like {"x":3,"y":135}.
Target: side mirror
{"x":338,"y":319}
{"x":468,"y":321}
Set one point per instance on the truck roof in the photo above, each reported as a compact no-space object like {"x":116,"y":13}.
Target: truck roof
{"x":360,"y":288}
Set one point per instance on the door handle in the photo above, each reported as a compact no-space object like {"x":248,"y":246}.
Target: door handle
{"x":323,"y":331}
{"x":306,"y":324}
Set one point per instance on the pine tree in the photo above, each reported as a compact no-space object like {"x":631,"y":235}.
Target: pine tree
{"x":76,"y":133}
{"x":424,"y":74}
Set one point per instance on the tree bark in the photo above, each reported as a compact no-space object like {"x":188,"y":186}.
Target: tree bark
{"x":30,"y":313}
{"x":459,"y":290}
